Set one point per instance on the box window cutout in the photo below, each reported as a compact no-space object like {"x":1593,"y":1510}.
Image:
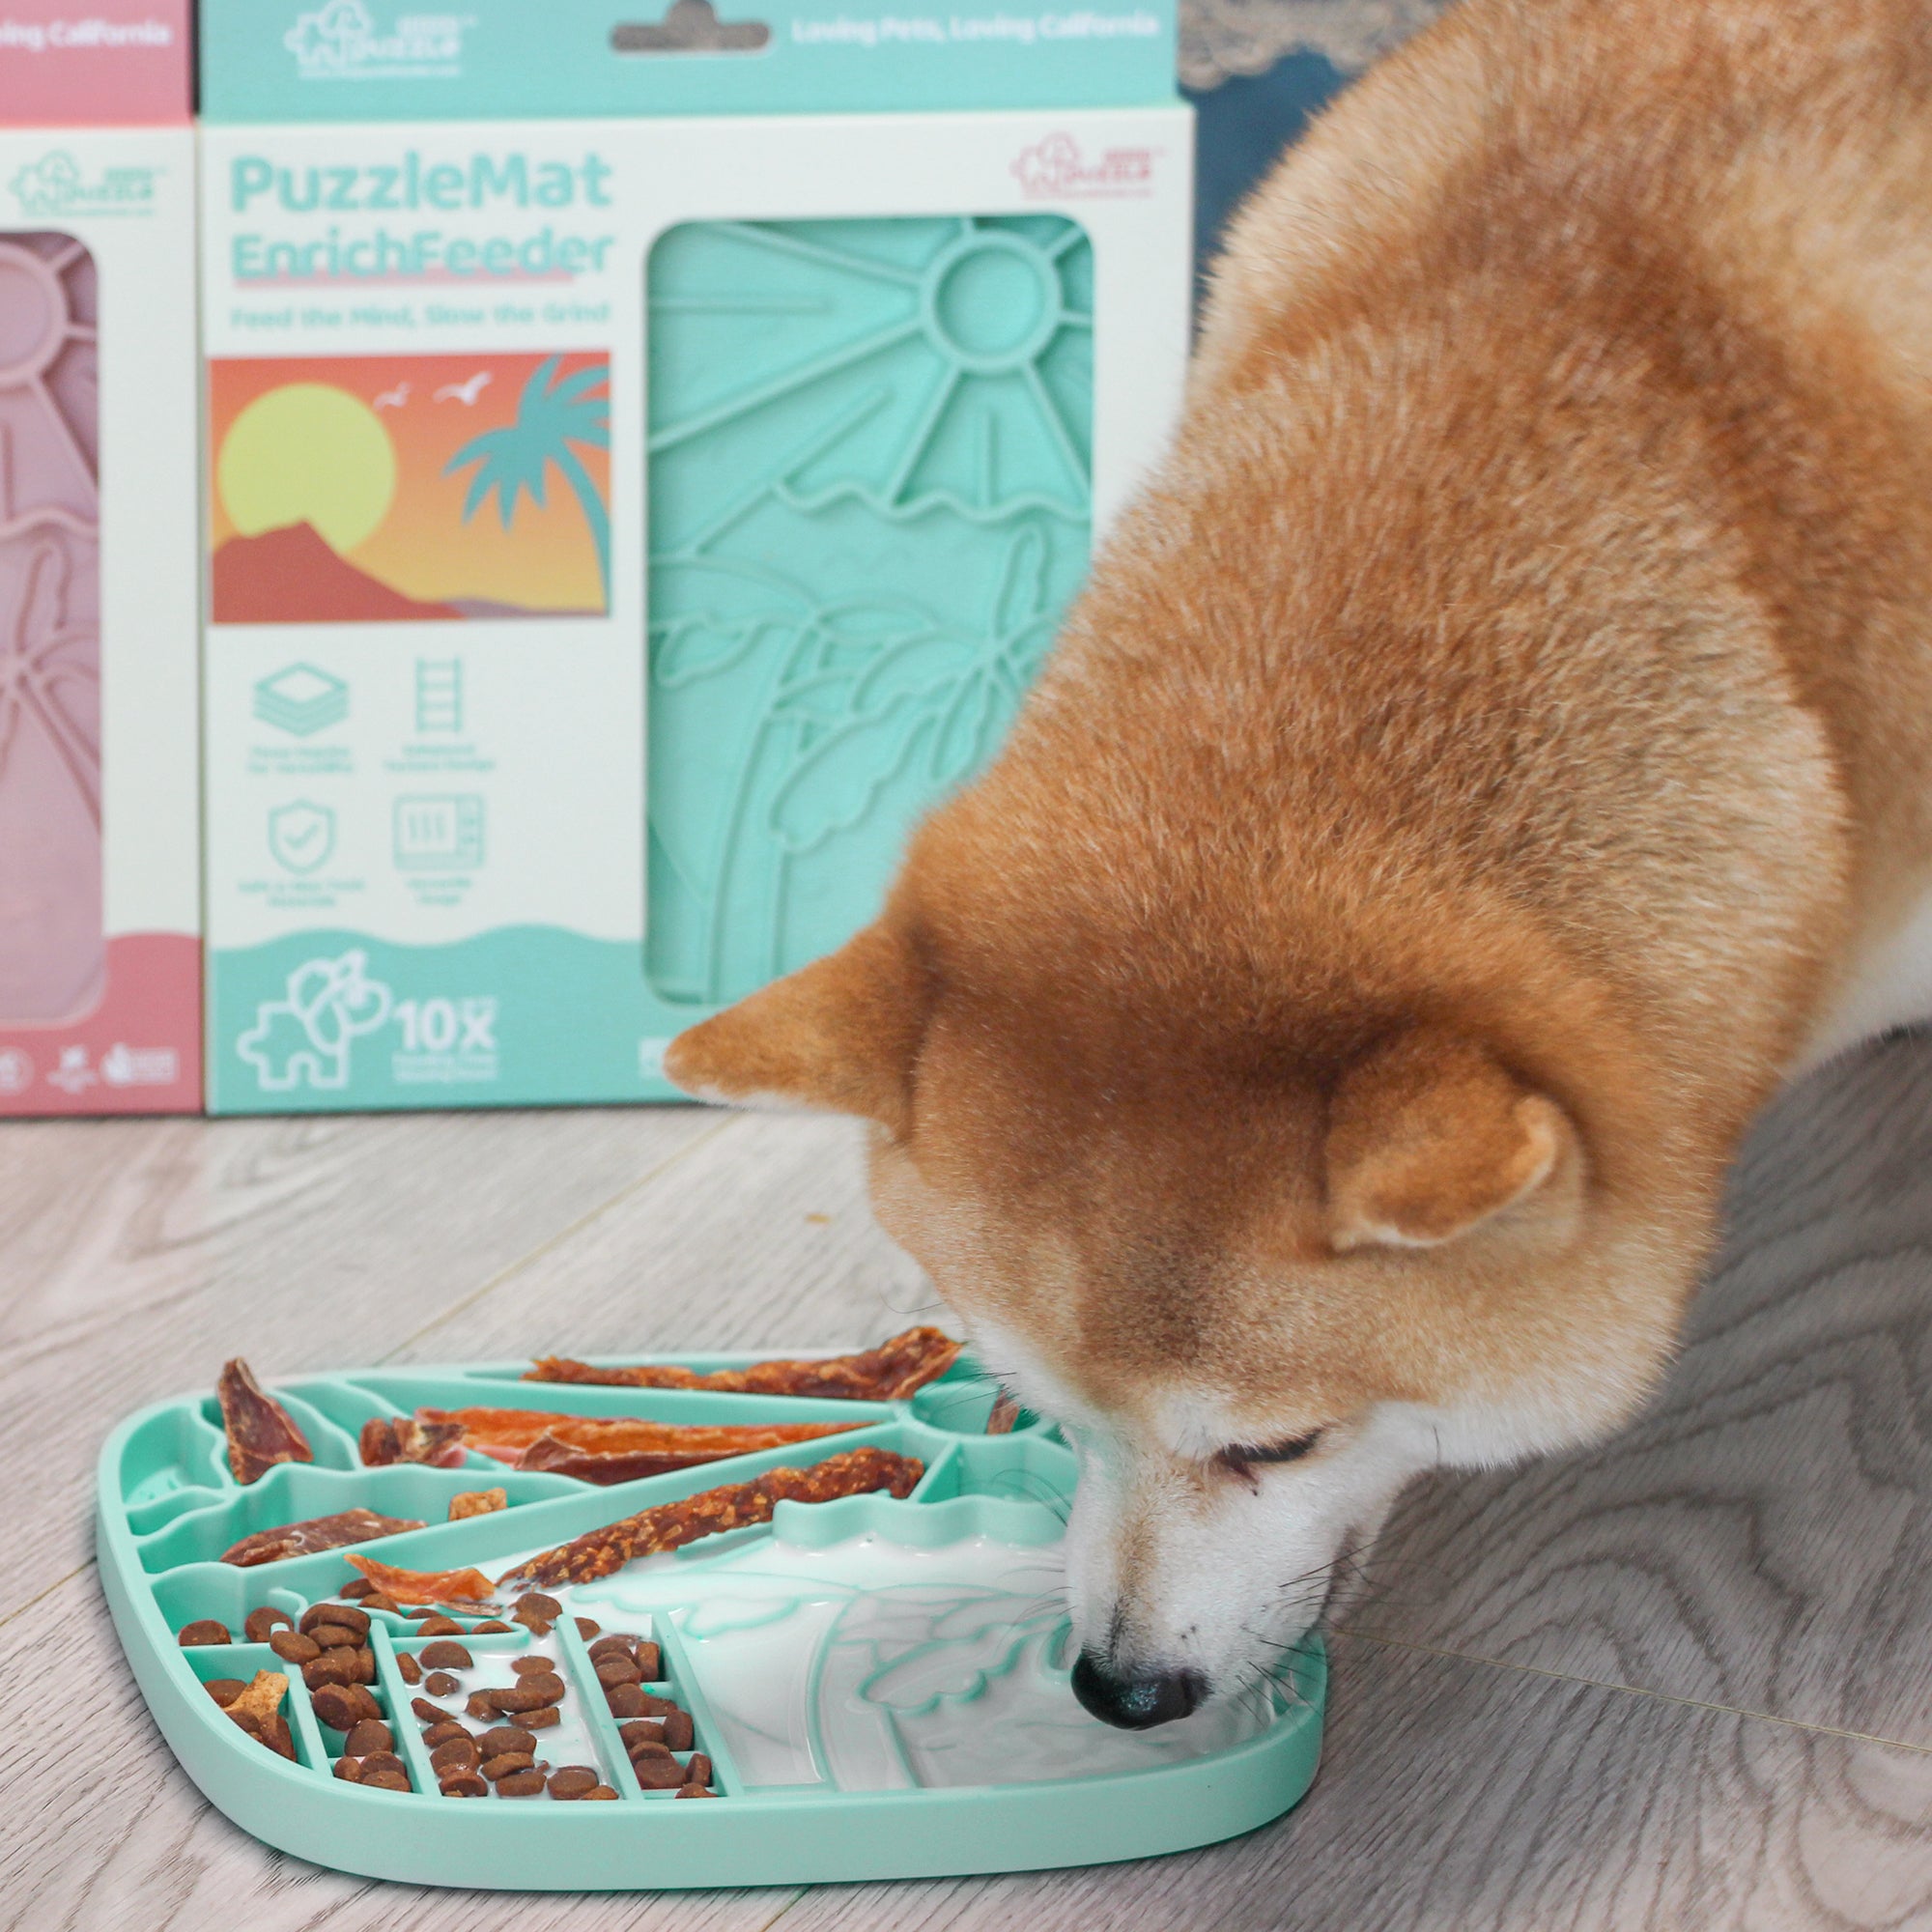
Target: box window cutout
{"x":870,"y":488}
{"x":52,"y":941}
{"x":690,"y":27}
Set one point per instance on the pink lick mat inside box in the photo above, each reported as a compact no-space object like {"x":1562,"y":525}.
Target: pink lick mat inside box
{"x":52,"y":941}
{"x":100,"y":64}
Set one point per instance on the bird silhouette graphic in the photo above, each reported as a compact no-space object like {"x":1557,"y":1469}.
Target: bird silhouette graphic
{"x":392,"y":399}
{"x":464,"y":394}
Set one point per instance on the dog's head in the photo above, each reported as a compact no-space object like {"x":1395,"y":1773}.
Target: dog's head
{"x":1263,"y":1272}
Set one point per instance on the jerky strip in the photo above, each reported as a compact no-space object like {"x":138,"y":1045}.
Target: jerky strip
{"x":405,"y":1438}
{"x":261,"y":1431}
{"x":426,"y":1587}
{"x":318,"y":1532}
{"x":890,"y":1372}
{"x":598,"y":1552}
{"x":623,"y":1465}
{"x":510,"y":1434}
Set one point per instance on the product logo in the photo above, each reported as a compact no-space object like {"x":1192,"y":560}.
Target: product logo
{"x":340,"y":40}
{"x":57,"y":184}
{"x":303,"y":1038}
{"x":17,"y":1071}
{"x":1057,"y":169}
{"x":73,"y":1075}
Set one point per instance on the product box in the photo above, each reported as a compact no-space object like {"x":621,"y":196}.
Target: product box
{"x":620,"y":530}
{"x":100,"y":839}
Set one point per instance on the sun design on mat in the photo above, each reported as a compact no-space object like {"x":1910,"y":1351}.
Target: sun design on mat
{"x":46,"y":663}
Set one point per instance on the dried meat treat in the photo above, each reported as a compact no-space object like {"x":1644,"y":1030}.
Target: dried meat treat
{"x":261,"y":1431}
{"x":263,"y":1697}
{"x":203,"y":1629}
{"x":404,"y":1438}
{"x":890,"y":1372}
{"x":536,"y":1438}
{"x":319,"y":1532}
{"x":477,"y":1502}
{"x":599,"y":1552}
{"x":426,"y":1587}
{"x":1002,"y":1415}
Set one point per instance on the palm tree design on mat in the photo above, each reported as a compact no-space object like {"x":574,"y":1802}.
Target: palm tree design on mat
{"x":515,"y":459}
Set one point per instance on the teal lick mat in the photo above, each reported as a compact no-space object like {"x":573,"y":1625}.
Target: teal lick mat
{"x":869,"y":500}
{"x":880,"y":1685}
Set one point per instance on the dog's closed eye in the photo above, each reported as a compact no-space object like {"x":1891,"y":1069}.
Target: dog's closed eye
{"x":1242,"y":1457}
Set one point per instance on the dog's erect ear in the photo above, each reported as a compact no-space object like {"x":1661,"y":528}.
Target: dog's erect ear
{"x":1428,"y":1137}
{"x":836,"y":1036}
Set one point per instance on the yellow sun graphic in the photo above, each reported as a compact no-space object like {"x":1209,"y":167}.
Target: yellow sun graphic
{"x":308,"y":453}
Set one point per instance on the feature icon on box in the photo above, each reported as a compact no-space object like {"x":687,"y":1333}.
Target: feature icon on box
{"x":301,"y":835}
{"x":439,"y":832}
{"x":301,"y":700}
{"x":438,"y":696}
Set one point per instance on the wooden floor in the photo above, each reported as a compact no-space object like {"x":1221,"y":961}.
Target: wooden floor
{"x":1684,"y":1683}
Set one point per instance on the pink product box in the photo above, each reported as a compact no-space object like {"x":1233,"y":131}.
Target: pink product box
{"x":108,"y":64}
{"x":99,"y":946}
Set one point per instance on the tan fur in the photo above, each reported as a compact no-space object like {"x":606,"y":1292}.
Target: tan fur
{"x":1482,"y":759}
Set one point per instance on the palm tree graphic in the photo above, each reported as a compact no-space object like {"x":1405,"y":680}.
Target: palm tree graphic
{"x":515,"y":459}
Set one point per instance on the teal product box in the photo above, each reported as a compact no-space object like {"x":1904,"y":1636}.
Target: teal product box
{"x":620,"y":530}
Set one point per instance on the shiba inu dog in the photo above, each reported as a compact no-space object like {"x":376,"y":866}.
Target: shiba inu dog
{"x":1493,"y":753}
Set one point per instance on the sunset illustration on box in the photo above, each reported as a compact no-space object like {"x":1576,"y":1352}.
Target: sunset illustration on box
{"x":386,"y":488}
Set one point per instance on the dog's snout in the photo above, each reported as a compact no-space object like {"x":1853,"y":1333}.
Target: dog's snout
{"x":1135,"y":1700}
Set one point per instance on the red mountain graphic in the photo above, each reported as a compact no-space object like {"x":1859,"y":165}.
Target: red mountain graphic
{"x":292,"y":576}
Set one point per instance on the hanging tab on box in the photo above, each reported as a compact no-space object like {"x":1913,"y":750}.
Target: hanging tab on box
{"x":690,"y":27}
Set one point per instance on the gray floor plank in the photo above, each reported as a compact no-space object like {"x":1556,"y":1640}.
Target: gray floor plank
{"x":759,"y":1238}
{"x":105,"y":1833}
{"x":1762,"y":1536}
{"x":138,"y":1255}
{"x":1459,"y":1797}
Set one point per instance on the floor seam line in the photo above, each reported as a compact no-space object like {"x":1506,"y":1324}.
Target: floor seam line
{"x":511,"y":1269}
{"x":59,"y":1582}
{"x":784,"y":1909}
{"x":1638,"y":1691}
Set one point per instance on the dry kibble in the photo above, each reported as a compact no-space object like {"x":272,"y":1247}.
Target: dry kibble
{"x":430,"y":1713}
{"x":348,"y":1769}
{"x":224,"y":1689}
{"x":574,"y":1780}
{"x":408,"y":1669}
{"x":203,"y":1629}
{"x":540,"y":1720}
{"x":493,"y":1626}
{"x":650,"y":1663}
{"x":641,"y":1731}
{"x":626,"y":1700}
{"x":481,"y":1704}
{"x":544,"y":1684}
{"x":657,"y":1772}
{"x":695,"y":1791}
{"x":361,"y":1587}
{"x":697,"y":1771}
{"x":344,"y":1706}
{"x":496,"y":1769}
{"x":612,"y":1671}
{"x":678,"y":1729}
{"x":440,"y":1684}
{"x":261,"y":1624}
{"x":455,"y":1754}
{"x":372,"y":1734}
{"x":438,"y":1624}
{"x":521,"y":1784}
{"x":588,"y":1627}
{"x":601,"y":1791}
{"x":377,"y":1762}
{"x":363,"y":1665}
{"x":534,"y":1603}
{"x":477,"y":1502}
{"x":332,"y":1666}
{"x":378,"y":1599}
{"x":385,"y":1781}
{"x":529,"y":1666}
{"x":464,"y":1784}
{"x":517,"y":1699}
{"x":344,"y":1616}
{"x":292,"y":1647}
{"x":616,"y":1644}
{"x":333,"y":1636}
{"x":438,"y":1734}
{"x":443,"y":1654}
{"x":506,"y":1738}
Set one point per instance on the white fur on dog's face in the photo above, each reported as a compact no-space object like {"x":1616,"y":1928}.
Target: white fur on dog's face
{"x":1178,"y":1561}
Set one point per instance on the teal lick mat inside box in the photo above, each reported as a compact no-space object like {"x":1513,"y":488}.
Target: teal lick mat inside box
{"x":880,"y":1685}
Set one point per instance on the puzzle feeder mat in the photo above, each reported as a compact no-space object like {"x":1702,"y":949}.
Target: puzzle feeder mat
{"x":881,"y":1686}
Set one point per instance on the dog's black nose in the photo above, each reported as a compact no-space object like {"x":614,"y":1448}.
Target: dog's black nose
{"x":1137,"y":1702}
